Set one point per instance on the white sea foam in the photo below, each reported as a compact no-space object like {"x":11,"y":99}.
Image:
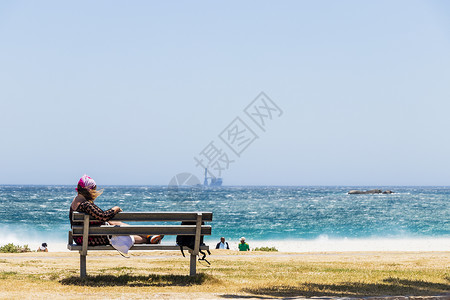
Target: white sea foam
{"x":33,"y":239}
{"x":325,"y":244}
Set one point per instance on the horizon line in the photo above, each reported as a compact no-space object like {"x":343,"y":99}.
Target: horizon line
{"x":248,"y":185}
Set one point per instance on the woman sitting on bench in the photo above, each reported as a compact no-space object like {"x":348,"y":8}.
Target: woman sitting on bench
{"x":84,"y":202}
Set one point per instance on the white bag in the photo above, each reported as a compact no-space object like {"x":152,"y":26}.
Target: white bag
{"x":122,"y":243}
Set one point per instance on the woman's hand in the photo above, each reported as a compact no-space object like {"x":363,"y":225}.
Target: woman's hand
{"x":117,"y":209}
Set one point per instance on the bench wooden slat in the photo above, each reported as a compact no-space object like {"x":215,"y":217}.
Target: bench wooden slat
{"x":137,"y":247}
{"x":143,"y":230}
{"x":153,"y":216}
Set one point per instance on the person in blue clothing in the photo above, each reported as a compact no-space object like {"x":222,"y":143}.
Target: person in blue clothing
{"x":222,"y":244}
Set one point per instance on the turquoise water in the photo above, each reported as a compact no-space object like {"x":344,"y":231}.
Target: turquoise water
{"x":35,"y":213}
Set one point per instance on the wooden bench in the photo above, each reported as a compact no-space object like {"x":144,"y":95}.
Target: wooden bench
{"x":81,"y":228}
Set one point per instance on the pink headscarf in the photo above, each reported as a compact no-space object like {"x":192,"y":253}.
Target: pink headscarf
{"x":87,"y":182}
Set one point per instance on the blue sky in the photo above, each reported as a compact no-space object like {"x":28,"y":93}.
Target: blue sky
{"x":129,"y":93}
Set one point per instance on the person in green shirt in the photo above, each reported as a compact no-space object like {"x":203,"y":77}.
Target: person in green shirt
{"x":243,"y":246}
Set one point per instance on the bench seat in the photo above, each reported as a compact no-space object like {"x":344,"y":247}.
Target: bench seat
{"x":137,"y":247}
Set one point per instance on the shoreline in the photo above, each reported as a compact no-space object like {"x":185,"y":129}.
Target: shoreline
{"x":321,"y":244}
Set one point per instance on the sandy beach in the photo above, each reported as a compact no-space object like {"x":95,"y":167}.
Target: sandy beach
{"x":251,"y":275}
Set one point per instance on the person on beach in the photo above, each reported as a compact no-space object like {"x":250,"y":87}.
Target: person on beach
{"x":222,"y":244}
{"x":243,"y":246}
{"x":84,"y":202}
{"x":42,"y":248}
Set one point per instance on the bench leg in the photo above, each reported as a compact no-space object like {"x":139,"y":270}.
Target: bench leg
{"x":193,"y":266}
{"x":82,"y":265}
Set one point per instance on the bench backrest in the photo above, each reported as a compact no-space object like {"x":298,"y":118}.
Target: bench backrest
{"x":152,"y":216}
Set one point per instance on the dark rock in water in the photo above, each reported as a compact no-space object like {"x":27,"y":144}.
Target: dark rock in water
{"x":356,"y":192}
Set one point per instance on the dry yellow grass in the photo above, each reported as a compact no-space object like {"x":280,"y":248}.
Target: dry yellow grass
{"x":253,"y":274}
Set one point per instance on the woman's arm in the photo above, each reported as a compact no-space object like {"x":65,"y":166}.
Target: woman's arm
{"x":96,"y":212}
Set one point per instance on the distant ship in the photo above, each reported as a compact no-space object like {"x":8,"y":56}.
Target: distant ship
{"x":214,"y":181}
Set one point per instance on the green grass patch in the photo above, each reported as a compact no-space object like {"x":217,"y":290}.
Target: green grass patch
{"x":268,"y":249}
{"x":5,"y":275}
{"x":11,"y":248}
{"x":118,"y":269}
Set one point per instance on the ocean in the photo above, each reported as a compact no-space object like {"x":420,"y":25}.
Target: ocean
{"x":297,"y":219}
